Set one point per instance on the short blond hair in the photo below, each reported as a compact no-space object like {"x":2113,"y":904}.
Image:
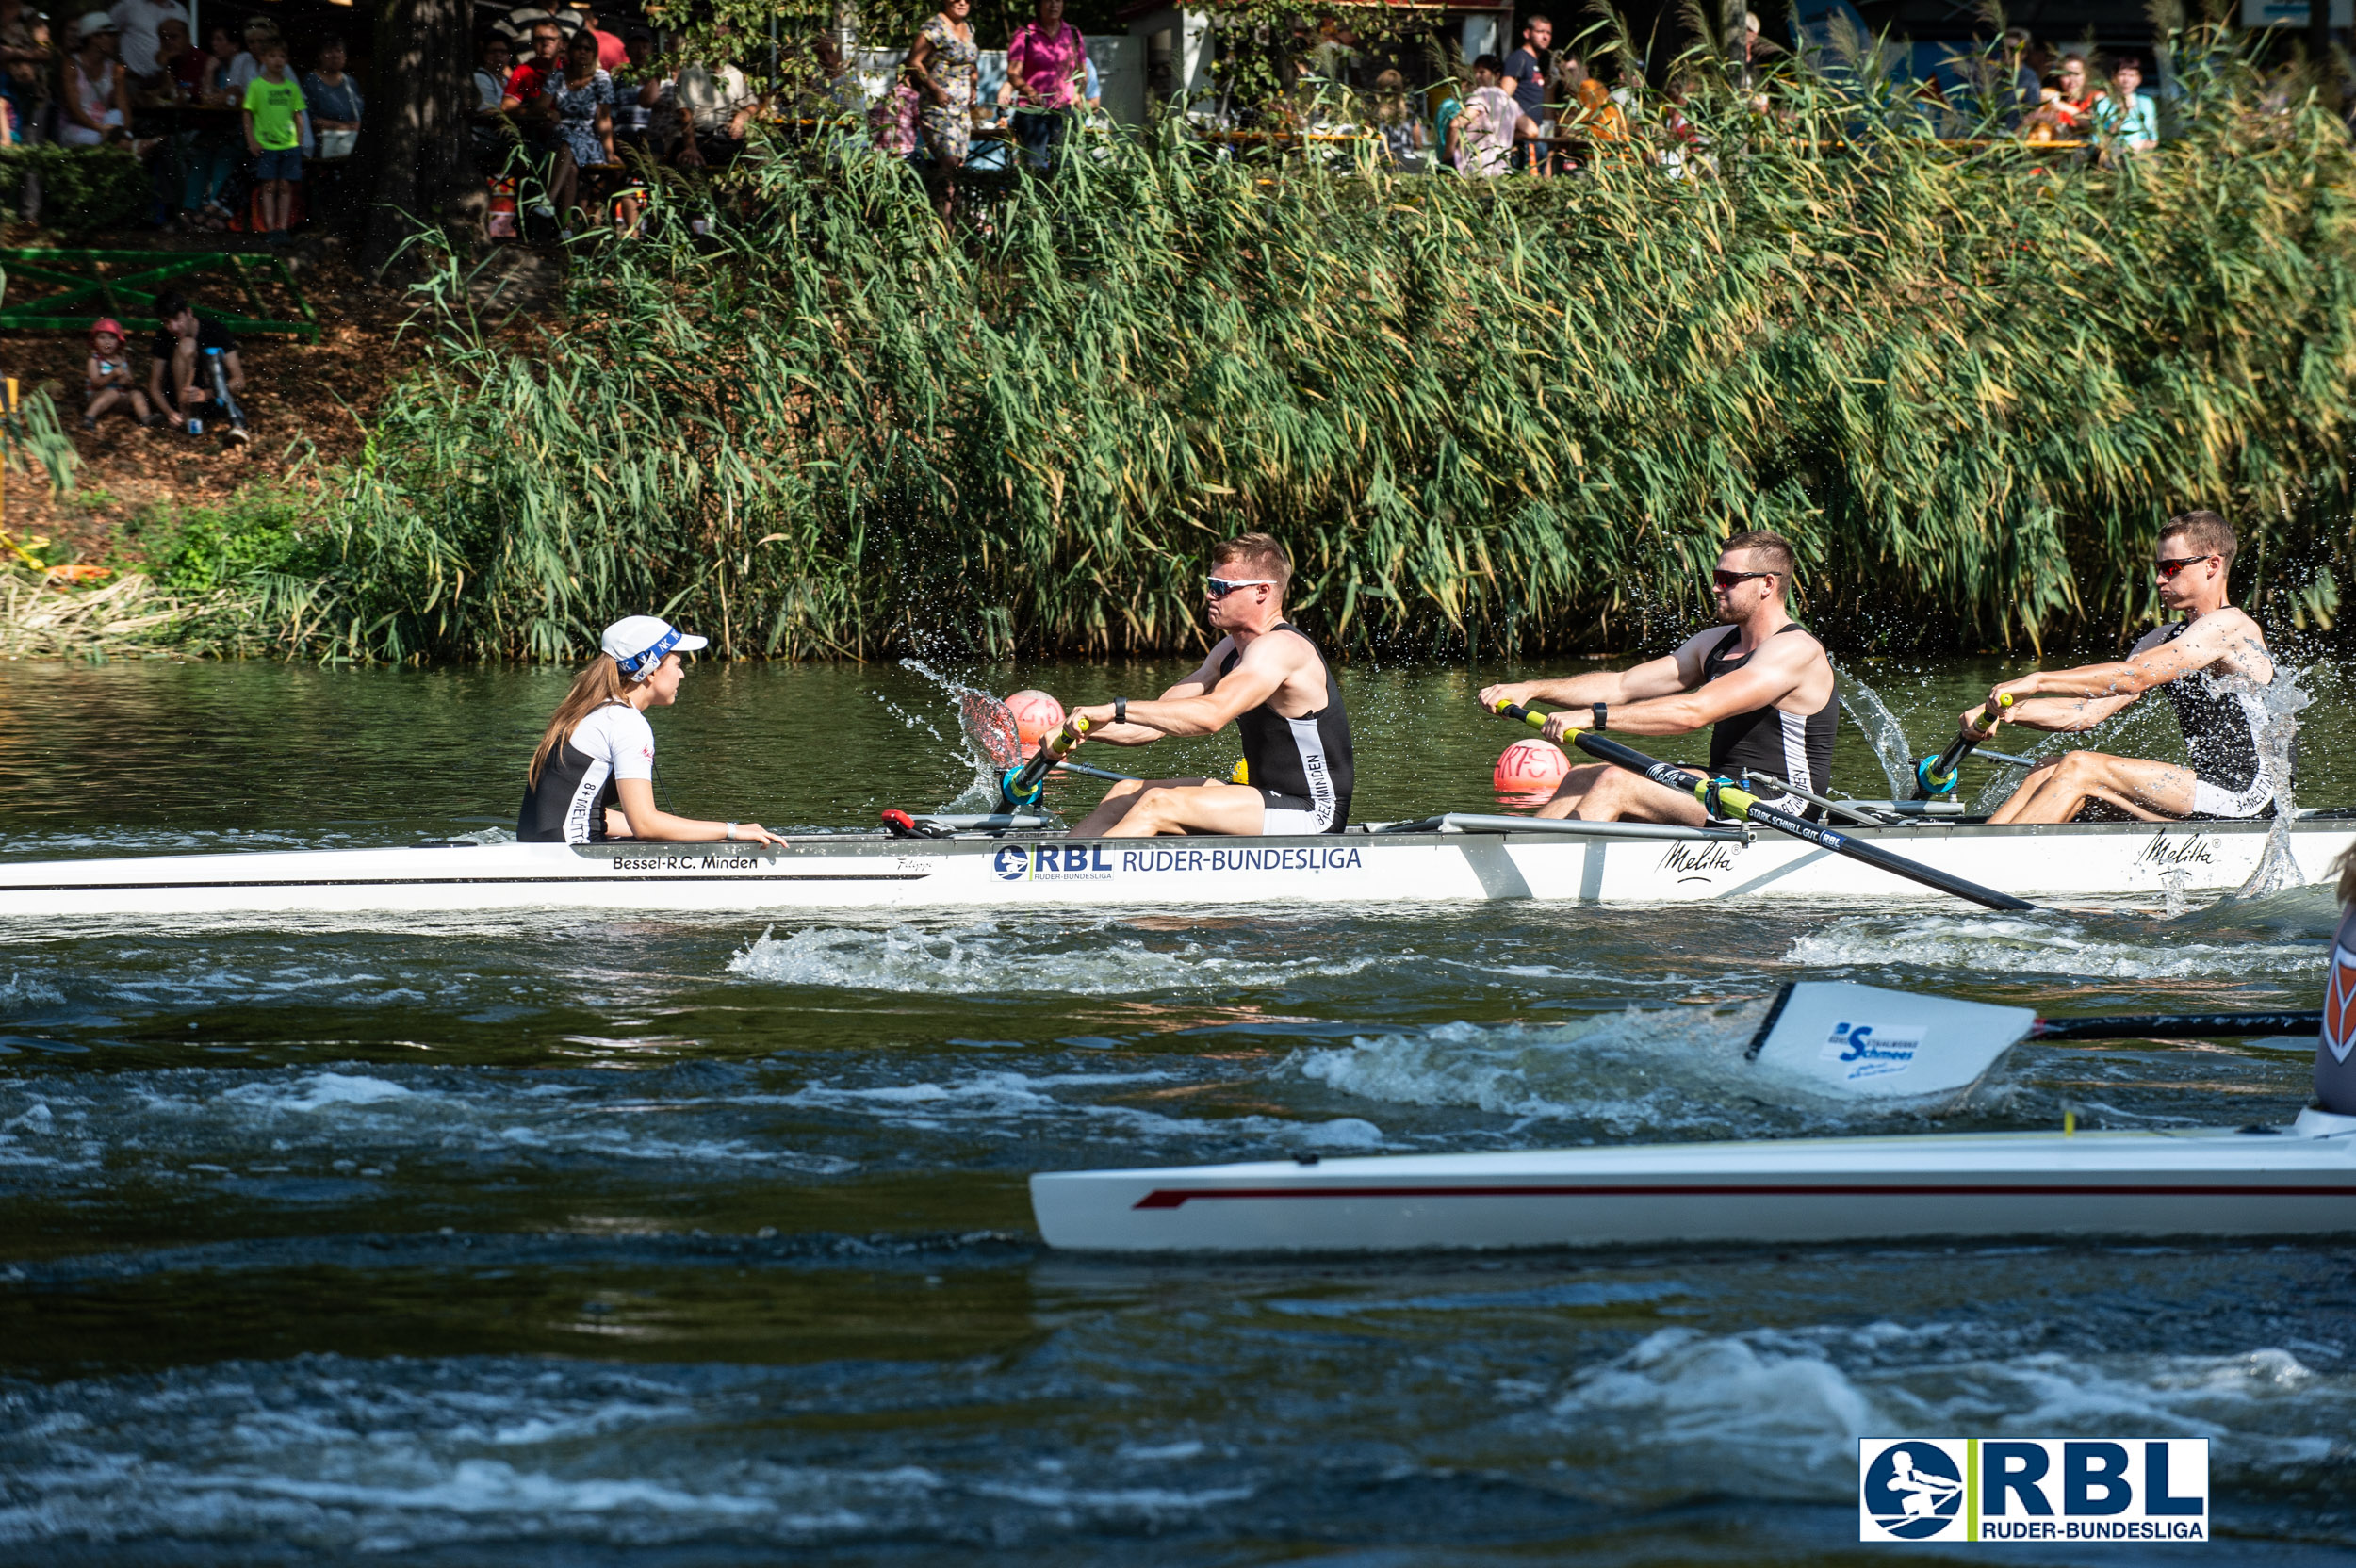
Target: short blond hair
{"x":1260,"y":553}
{"x":1780,"y":555}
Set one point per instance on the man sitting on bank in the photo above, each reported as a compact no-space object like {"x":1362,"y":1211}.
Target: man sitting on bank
{"x":1765,"y":686}
{"x":1272,"y":684}
{"x":2213,"y":662}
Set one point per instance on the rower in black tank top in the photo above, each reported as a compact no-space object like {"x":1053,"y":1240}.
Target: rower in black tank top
{"x":1794,"y":747}
{"x":1302,"y":766}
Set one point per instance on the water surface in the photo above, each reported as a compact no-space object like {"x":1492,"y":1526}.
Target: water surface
{"x":558,"y":1238}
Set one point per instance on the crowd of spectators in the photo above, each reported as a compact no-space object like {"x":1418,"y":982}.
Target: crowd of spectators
{"x":230,"y":134}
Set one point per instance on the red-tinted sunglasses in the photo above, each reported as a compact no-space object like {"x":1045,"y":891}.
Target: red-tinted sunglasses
{"x":2168,"y":568}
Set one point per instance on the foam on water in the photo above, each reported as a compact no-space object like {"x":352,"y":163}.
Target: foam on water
{"x":1777,"y":1412}
{"x":985,"y":957}
{"x":2048,"y":944}
{"x":336,"y":1454}
{"x":1641,"y":1071}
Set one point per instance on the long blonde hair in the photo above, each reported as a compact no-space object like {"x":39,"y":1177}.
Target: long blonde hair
{"x":593,"y":688}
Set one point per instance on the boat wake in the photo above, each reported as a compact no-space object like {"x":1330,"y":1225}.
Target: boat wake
{"x":1645,"y":1072}
{"x":1777,"y":1412}
{"x":984,"y":957}
{"x":1981,"y":946}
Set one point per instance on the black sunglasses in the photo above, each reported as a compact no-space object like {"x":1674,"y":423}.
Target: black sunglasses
{"x":1724,"y":579}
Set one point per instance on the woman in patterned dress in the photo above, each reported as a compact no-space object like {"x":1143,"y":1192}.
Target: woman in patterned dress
{"x":583,"y":98}
{"x":944,"y":65}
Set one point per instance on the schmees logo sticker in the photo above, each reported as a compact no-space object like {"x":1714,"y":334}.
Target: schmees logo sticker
{"x":2033,"y":1489}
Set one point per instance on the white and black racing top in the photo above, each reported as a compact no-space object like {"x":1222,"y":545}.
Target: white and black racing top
{"x":1302,"y":764}
{"x":1795,"y":747}
{"x":567,"y":805}
{"x":2220,"y":720}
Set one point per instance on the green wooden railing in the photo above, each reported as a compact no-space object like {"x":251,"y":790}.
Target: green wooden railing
{"x":122,"y":283}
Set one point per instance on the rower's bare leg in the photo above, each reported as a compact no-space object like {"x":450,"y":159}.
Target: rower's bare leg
{"x":1602,"y":792}
{"x":2056,"y":791}
{"x":1122,"y":799}
{"x":1205,"y":806}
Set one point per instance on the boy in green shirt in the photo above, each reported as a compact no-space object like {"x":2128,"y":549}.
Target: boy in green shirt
{"x":276,"y":123}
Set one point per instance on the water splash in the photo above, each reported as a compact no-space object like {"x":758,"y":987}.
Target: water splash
{"x":2277,"y":736}
{"x":1882,"y":731}
{"x":981,"y":792}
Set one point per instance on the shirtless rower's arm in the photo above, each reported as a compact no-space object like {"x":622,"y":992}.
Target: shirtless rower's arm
{"x":2066,"y":701}
{"x":1195,"y":706}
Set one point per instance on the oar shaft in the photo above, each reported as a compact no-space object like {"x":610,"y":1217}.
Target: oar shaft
{"x":1755,"y":810}
{"x":1936,"y":775}
{"x":2176,"y":1026}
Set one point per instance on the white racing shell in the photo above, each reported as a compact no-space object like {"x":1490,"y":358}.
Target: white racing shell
{"x":1601,"y":863}
{"x":2256,"y":1182}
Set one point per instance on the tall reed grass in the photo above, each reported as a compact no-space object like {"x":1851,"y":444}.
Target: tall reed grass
{"x":1517,"y":414}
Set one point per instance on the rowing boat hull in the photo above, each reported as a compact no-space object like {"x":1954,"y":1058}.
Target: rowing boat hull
{"x":2124,"y":1185}
{"x":2076,"y":861}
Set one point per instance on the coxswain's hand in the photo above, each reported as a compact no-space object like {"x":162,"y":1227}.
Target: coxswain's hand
{"x":753,"y":833}
{"x":1570,"y":721}
{"x":1491,"y":697}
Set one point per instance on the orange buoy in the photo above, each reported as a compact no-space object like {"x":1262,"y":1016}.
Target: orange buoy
{"x":1529,"y":767}
{"x":1036,"y":715}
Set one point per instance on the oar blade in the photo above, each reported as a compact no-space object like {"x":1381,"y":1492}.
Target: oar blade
{"x":1869,"y":1042}
{"x":991,"y":729}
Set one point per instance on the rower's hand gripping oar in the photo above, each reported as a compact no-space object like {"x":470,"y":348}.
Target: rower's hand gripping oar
{"x":1936,"y":776}
{"x":1021,"y":786}
{"x":1722,"y":798}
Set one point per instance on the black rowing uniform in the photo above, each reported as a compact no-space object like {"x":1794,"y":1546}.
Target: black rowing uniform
{"x":1302,"y":767}
{"x":2220,"y":720}
{"x":567,"y":804}
{"x":1796,"y":748}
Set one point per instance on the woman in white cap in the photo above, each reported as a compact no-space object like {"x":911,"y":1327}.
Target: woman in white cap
{"x":598,"y":755}
{"x":96,"y":107}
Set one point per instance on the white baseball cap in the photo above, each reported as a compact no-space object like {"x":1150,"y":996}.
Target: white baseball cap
{"x":94,"y":23}
{"x":638,"y":643}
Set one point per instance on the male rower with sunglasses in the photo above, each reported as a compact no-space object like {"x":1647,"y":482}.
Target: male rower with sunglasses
{"x":1266,"y":680}
{"x":2212,"y":663}
{"x":1765,"y":687}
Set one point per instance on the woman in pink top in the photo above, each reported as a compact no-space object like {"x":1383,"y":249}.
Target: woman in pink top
{"x":1046,"y":60}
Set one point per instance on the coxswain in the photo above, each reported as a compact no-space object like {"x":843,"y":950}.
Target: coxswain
{"x":592,"y":778}
{"x":1759,"y":679}
{"x":2214,"y":662}
{"x":1266,"y":680}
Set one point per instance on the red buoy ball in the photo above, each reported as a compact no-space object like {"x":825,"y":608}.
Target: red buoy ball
{"x":1036,"y":715}
{"x":1530,"y":766}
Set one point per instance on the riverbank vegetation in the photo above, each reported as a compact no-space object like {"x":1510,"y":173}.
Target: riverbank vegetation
{"x":1516,"y":414}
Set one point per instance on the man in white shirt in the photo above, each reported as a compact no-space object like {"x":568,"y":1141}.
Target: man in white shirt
{"x":715,"y":104}
{"x":138,"y":20}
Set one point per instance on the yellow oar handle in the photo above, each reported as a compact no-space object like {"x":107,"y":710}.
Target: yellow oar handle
{"x":1069,"y":736}
{"x":1515,"y":711}
{"x":1990,"y":711}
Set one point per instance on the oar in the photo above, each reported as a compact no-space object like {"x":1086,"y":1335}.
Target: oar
{"x":1021,"y":786}
{"x":989,"y":725}
{"x":1936,"y":776}
{"x":1726,"y":798}
{"x":1863,"y":1039}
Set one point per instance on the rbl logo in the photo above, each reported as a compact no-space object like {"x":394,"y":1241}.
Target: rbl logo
{"x":2033,"y":1489}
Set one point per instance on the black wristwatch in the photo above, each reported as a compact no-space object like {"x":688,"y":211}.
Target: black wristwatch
{"x":1120,"y":710}
{"x":1603,"y":715}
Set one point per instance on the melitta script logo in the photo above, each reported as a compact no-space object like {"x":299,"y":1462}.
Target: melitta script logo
{"x":1695,"y":864}
{"x":2140,"y":1489}
{"x":2191,"y":850}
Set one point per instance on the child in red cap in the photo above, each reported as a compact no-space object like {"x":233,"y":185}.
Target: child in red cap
{"x":110,"y":378}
